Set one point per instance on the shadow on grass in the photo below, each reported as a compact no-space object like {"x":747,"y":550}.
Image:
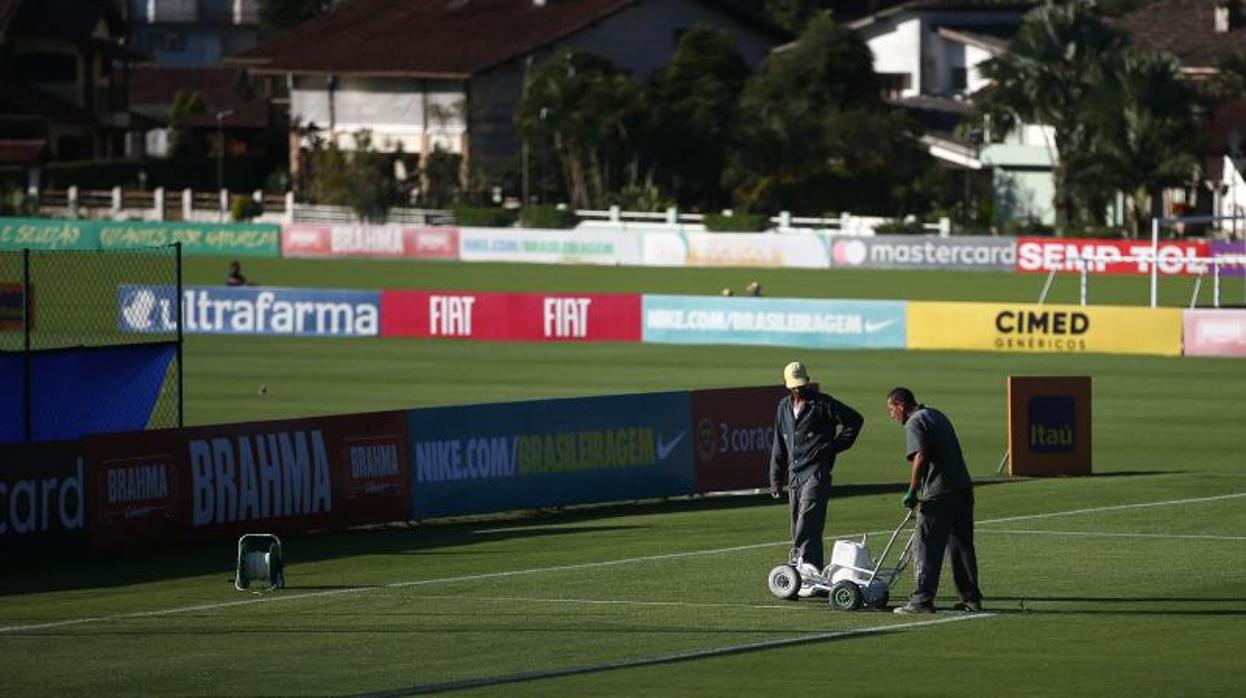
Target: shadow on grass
{"x":1116,"y":605}
{"x":96,"y":570}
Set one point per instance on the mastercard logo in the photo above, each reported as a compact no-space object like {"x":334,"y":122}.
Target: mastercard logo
{"x":849,"y":253}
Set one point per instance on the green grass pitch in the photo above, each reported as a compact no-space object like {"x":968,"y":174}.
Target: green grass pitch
{"x":1129,"y":582}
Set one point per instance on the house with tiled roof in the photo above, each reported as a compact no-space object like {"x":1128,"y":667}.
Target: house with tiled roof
{"x":421,"y":74}
{"x":63,"y":82}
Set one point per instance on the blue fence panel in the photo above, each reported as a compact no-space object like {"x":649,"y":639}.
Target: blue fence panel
{"x":789,"y":322}
{"x":478,"y":459}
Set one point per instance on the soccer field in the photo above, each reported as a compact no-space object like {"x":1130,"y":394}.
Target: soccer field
{"x":1132,"y":581}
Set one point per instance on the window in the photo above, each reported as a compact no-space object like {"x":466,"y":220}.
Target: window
{"x":895,"y":84}
{"x":960,"y":79}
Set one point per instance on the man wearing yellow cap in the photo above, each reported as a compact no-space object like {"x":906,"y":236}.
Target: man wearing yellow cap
{"x":810,"y":428}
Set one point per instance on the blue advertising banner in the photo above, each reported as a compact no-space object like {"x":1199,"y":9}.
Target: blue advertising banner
{"x":250,"y":310}
{"x":788,"y":322}
{"x":477,"y":459}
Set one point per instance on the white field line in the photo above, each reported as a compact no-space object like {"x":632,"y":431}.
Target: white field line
{"x":420,"y":689}
{"x":1112,"y":534}
{"x":608,"y":602}
{"x":543,"y":570}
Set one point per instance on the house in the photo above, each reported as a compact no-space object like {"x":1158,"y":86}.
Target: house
{"x":1203,"y":34}
{"x":927,"y":54}
{"x":64,"y":74}
{"x":191,"y":32}
{"x":423,"y":74}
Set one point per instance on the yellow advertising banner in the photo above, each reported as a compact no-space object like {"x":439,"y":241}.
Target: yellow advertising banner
{"x":1050,"y":329}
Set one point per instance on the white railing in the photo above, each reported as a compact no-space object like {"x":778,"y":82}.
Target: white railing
{"x":213,"y":206}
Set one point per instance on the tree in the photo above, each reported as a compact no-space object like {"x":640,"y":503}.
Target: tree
{"x":1145,"y":123}
{"x":695,"y":102}
{"x":362,"y":178}
{"x":801,"y":119}
{"x":442,"y":178}
{"x":1053,"y":66}
{"x":592,"y":116}
{"x":280,"y":16}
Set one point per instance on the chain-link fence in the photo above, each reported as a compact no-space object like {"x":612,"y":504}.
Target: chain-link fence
{"x":89,"y":342}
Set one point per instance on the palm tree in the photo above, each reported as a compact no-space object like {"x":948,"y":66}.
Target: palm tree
{"x":1145,"y":125}
{"x":1052,"y":67}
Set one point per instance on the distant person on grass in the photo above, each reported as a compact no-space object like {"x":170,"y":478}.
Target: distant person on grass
{"x":235,"y":277}
{"x":942,"y":493}
{"x":810,"y":428}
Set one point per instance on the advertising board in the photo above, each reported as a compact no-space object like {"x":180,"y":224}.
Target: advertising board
{"x":973,"y":253}
{"x":255,"y":310}
{"x":42,"y":498}
{"x":1110,"y":256}
{"x":1054,"y":329}
{"x":792,"y":322}
{"x":609,"y":247}
{"x":698,"y":249}
{"x":732,"y":432}
{"x":1049,"y":425}
{"x":365,"y":240}
{"x":478,"y":459}
{"x":528,"y":317}
{"x":279,"y":476}
{"x":1215,"y":332}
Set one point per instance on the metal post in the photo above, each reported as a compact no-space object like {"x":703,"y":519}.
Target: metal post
{"x":181,"y":368}
{"x":1042,"y":296}
{"x":27,"y":391}
{"x":1215,"y":283}
{"x":1082,"y":263}
{"x":1154,"y":261}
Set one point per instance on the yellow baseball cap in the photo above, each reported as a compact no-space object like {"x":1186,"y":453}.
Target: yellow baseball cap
{"x":795,"y":375}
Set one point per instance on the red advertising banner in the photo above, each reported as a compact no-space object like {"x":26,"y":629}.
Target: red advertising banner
{"x":42,"y":499}
{"x":733,"y":430}
{"x":1110,"y":256}
{"x":269,"y":477}
{"x":1215,"y":333}
{"x":511,"y":316}
{"x":302,"y":240}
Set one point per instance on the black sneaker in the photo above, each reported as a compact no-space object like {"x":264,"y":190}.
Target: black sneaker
{"x":968,"y":606}
{"x":911,"y":608}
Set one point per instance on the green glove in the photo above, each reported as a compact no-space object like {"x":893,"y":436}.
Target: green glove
{"x":909,"y":500}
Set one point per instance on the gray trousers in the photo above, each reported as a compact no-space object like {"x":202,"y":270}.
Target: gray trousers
{"x":808,"y":505}
{"x":945,"y":524}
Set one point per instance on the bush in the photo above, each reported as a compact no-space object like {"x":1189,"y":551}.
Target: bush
{"x":900,"y":228}
{"x":483,"y":217}
{"x":244,"y":208}
{"x":737,"y":223}
{"x":547,"y":216}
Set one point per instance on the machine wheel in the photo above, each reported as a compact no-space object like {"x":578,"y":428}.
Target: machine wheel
{"x":784,"y":582}
{"x":881,"y":601}
{"x":845,"y":596}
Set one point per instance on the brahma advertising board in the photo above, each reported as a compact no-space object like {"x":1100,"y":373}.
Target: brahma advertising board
{"x":364,"y":240}
{"x":280,"y":476}
{"x":478,"y":459}
{"x":250,"y":310}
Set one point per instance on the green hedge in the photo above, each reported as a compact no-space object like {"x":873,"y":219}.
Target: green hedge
{"x":484,"y":217}
{"x":547,"y":216}
{"x":737,"y":223}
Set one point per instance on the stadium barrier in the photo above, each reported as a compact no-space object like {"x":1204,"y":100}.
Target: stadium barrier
{"x":1176,"y":257}
{"x":1049,"y":425}
{"x":250,"y":310}
{"x":225,"y":239}
{"x":223,"y":480}
{"x":971,"y":253}
{"x":478,"y":459}
{"x":792,"y":322}
{"x":733,"y":431}
{"x":697,"y":249}
{"x":548,"y":246}
{"x":363,"y":240}
{"x":42,"y":499}
{"x":511,"y":316}
{"x":1214,"y":332}
{"x":1053,"y":329}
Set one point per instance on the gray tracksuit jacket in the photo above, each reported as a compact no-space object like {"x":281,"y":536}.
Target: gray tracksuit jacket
{"x":825,"y":427}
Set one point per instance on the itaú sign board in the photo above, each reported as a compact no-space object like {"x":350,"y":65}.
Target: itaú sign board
{"x":1111,"y":256}
{"x":1052,"y":329}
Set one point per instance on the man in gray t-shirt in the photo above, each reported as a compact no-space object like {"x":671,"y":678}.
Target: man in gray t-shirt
{"x":942,"y":492}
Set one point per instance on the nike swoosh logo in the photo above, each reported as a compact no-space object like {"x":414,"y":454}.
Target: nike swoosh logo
{"x":872,"y":326}
{"x":665,"y":448}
